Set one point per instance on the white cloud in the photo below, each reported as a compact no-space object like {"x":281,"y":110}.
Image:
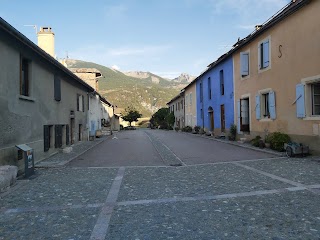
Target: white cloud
{"x":115,"y":67}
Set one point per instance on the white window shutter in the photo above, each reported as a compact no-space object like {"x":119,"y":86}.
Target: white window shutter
{"x":266,"y":54}
{"x":300,"y":102}
{"x":272,"y":105}
{"x":244,"y":64}
{"x":239,"y":115}
{"x":258,"y":110}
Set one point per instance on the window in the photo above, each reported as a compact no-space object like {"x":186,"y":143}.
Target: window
{"x":190,"y":99}
{"x":80,"y":103}
{"x":244,"y":64}
{"x":315,"y":95}
{"x":209,"y":87}
{"x":265,"y":105}
{"x":264,"y":54}
{"x":308,"y":98}
{"x":181,"y":104}
{"x":201,"y":92}
{"x":25,"y":77}
{"x":201,"y":113}
{"x":57,"y":88}
{"x":221,"y":82}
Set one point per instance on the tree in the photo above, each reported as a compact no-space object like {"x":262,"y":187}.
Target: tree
{"x":162,"y":118}
{"x":131,"y":115}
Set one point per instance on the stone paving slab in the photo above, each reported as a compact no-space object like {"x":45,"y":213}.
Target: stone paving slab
{"x":291,"y":215}
{"x":65,"y":224}
{"x":57,"y":187}
{"x":301,"y":170}
{"x":169,"y":182}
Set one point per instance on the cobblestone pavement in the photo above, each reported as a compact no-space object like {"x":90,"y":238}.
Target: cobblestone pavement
{"x":276,"y":198}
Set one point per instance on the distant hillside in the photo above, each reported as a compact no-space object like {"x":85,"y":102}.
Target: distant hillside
{"x":146,"y":94}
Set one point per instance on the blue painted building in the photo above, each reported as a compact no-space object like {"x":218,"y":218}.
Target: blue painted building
{"x":215,"y":96}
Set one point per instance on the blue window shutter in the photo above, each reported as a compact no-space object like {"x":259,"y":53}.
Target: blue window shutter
{"x":239,"y":115}
{"x":258,"y":113}
{"x":301,"y":111}
{"x":244,"y":62}
{"x":266,"y":54}
{"x":272,"y":105}
{"x":259,"y":56}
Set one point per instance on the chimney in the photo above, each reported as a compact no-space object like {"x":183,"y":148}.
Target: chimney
{"x":257,"y":27}
{"x":46,"y":40}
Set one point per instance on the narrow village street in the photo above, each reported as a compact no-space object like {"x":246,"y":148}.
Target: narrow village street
{"x":155,"y":184}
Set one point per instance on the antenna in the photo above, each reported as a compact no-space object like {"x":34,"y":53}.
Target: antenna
{"x":34,"y":26}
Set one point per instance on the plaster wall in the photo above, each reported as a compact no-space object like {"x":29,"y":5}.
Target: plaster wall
{"x":217,"y":99}
{"x":190,"y":105}
{"x":295,"y":55}
{"x":22,"y":118}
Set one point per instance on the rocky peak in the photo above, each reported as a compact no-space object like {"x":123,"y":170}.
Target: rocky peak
{"x":184,"y":78}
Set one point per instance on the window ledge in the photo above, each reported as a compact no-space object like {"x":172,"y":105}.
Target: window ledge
{"x":312,"y":118}
{"x":266,"y":120}
{"x":261,"y":70}
{"x":245,"y":77}
{"x":27,"y":98}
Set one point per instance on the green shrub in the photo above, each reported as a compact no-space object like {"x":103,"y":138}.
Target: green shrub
{"x":177,"y":129}
{"x":255,"y":142}
{"x":187,"y":129}
{"x":277,"y":140}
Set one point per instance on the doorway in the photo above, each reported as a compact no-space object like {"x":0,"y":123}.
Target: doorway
{"x":244,"y":115}
{"x":211,"y":118}
{"x":80,"y":132}
{"x":223,"y":118}
{"x":72,"y":125}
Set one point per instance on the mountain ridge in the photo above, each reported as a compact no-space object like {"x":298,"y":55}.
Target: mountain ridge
{"x":147,"y":94}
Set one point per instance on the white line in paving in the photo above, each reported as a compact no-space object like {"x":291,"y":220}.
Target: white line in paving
{"x":108,"y":205}
{"x":183,"y":164}
{"x":270,"y":175}
{"x":215,"y":197}
{"x":100,"y":229}
{"x":238,"y":161}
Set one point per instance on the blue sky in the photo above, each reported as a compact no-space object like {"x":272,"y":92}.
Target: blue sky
{"x":165,"y":37}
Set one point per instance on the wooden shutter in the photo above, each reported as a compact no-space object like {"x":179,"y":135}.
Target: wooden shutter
{"x":46,"y":137}
{"x":258,"y":110}
{"x":78,"y":98}
{"x":272,"y":105}
{"x":239,"y":115}
{"x":82,"y":103}
{"x":244,"y":64}
{"x":67,"y":135}
{"x":260,"y":56}
{"x":300,"y":102}
{"x":57,"y":88}
{"x":266,"y":54}
{"x":58,"y":136}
